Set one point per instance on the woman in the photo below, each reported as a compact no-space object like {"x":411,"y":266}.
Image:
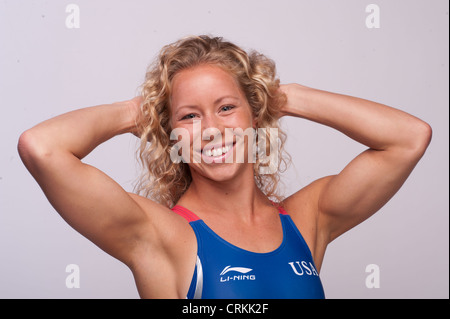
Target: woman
{"x":217,"y":228}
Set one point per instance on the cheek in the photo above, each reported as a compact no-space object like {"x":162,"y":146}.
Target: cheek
{"x":180,"y":143}
{"x":242,"y":119}
{"x":182,"y":132}
{"x":250,"y":117}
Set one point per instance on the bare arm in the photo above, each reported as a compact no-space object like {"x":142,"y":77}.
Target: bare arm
{"x":396,"y":141}
{"x":85,"y":197}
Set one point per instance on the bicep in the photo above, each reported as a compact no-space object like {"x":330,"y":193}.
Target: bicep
{"x":365,"y":185}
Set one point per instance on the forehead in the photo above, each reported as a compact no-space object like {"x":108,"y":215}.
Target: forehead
{"x":202,"y":83}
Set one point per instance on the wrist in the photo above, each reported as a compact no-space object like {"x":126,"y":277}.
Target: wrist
{"x":130,"y":111}
{"x":296,"y":95}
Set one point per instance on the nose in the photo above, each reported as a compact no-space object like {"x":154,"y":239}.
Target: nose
{"x":211,"y":126}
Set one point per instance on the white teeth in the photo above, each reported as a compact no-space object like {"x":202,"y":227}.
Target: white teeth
{"x":217,"y":152}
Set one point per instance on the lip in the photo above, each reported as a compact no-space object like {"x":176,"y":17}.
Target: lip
{"x":217,"y":159}
{"x":210,"y":147}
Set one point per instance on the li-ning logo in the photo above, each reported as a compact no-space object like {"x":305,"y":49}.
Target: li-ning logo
{"x":242,"y":270}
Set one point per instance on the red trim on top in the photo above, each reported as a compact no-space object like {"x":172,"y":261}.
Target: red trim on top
{"x":280,"y":209}
{"x":185,"y":213}
{"x":191,"y":217}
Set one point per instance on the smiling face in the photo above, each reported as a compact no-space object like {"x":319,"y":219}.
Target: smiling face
{"x":212,"y":96}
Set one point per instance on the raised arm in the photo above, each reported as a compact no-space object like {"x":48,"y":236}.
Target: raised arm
{"x":396,"y":141}
{"x":90,"y":201}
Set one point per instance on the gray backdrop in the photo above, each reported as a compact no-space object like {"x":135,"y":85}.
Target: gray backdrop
{"x":53,"y":61}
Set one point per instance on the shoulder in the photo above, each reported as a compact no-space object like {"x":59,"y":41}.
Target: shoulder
{"x":167,"y":248}
{"x":307,"y":198}
{"x":303,"y":207}
{"x":165,"y":224}
{"x":165,"y":234}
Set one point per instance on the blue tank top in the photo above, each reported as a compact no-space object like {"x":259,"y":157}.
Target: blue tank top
{"x":225,"y":271}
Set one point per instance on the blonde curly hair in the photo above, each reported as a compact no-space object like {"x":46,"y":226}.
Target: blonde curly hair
{"x":165,"y":181}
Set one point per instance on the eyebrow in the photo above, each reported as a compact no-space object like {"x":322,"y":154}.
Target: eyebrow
{"x":220,"y":99}
{"x":217,"y":101}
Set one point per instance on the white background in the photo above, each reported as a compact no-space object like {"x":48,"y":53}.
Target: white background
{"x":47,"y":69}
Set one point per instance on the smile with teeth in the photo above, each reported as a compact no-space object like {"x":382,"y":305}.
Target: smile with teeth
{"x":219,"y":151}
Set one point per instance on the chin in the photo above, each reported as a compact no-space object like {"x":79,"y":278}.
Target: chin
{"x":223,"y":172}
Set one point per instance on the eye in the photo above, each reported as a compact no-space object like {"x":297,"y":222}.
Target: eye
{"x":227,"y":108}
{"x":188,"y":116}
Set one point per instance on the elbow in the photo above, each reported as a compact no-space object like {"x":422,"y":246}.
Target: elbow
{"x":25,"y":146}
{"x":28,"y":148}
{"x":424,"y":136}
{"x":420,"y":139}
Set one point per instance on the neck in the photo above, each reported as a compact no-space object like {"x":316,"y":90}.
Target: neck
{"x":239,"y":197}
